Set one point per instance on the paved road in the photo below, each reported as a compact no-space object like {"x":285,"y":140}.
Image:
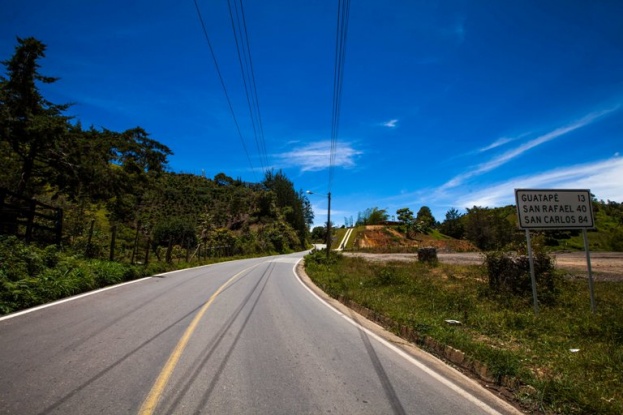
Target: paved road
{"x":243,"y":337}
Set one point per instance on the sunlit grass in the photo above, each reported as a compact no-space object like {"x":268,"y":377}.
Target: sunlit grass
{"x":501,"y":331}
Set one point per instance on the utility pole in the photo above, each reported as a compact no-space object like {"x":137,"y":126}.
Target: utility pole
{"x":309,"y":192}
{"x":329,"y":226}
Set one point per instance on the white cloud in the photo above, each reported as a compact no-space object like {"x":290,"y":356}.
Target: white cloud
{"x":518,"y":151}
{"x":390,"y":124}
{"x":602,"y":177}
{"x":497,"y":143}
{"x":315,"y":156}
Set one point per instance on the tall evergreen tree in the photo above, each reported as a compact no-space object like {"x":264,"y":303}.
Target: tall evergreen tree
{"x":32,"y":126}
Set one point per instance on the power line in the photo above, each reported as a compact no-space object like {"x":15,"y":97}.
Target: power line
{"x":220,"y":77}
{"x":248,"y":76}
{"x":257,"y":104}
{"x":338,"y":76}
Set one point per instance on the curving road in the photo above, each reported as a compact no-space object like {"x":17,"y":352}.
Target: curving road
{"x":242,"y":337}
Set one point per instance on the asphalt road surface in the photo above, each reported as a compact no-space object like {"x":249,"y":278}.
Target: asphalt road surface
{"x":242,"y":337}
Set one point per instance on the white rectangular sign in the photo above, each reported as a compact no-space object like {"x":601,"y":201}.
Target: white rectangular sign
{"x":554,"y":209}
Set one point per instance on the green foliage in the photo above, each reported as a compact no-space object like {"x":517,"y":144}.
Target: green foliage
{"x":496,"y":228}
{"x":424,"y":221}
{"x":30,"y":125}
{"x":491,"y":229}
{"x":295,"y":207}
{"x":405,"y":216}
{"x":103,"y":178}
{"x":510,"y":274}
{"x":372,"y":216}
{"x":319,"y":234}
{"x":176,"y":231}
{"x":453,"y":224}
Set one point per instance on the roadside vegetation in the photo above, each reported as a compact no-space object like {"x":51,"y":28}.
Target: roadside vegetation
{"x":119,"y":211}
{"x":565,"y":360}
{"x":31,"y":276}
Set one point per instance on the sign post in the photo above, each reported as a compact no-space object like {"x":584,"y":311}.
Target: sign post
{"x":543,"y":209}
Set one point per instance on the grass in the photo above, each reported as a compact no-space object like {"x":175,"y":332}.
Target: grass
{"x":500,"y":331}
{"x":338,"y":236}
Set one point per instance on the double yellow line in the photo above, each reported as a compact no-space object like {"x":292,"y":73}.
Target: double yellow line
{"x":151,"y":402}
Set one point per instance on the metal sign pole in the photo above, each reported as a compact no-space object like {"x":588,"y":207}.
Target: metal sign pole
{"x":532,"y":276}
{"x":590,"y":271}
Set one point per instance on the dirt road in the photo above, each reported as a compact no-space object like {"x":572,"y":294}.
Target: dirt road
{"x":606,"y":266}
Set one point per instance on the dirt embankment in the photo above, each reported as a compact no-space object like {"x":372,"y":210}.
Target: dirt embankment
{"x":383,"y":238}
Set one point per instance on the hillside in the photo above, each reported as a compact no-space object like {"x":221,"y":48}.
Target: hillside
{"x":381,"y":238}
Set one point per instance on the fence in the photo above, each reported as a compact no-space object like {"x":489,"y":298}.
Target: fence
{"x":29,"y":219}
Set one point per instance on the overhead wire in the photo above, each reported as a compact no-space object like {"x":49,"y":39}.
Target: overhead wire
{"x":220,"y":76}
{"x":338,"y":78}
{"x":264,"y":150}
{"x":243,"y":60}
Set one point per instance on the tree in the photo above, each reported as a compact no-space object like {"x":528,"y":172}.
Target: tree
{"x":490,"y":228}
{"x":453,"y":224}
{"x":424,"y":219}
{"x":319,"y":234}
{"x":295,"y":206}
{"x":405,"y":215}
{"x":372,"y":216}
{"x":32,"y":126}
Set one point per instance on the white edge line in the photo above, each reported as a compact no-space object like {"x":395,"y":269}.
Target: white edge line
{"x":72,"y":298}
{"x":402,"y":353}
{"x":75,"y":297}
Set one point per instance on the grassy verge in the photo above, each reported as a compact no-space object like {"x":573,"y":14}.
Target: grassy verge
{"x":30,"y":276}
{"x":536,"y":352}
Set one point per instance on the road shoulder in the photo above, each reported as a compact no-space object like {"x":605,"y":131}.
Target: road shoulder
{"x":497,"y":397}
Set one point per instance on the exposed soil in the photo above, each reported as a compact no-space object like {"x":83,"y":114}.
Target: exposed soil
{"x":376,"y":239}
{"x":606,"y":266}
{"x":379,"y":237}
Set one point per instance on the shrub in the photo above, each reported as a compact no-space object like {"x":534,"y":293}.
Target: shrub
{"x":107,"y":273}
{"x":509,"y":273}
{"x":388,"y":276}
{"x":428,"y":255}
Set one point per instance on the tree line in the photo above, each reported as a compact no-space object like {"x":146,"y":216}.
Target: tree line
{"x":106,"y":179}
{"x":496,"y":228}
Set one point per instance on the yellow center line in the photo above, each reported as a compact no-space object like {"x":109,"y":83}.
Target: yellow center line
{"x":149,"y":405}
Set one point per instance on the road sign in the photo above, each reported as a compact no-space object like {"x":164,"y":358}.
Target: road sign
{"x":554,"y":209}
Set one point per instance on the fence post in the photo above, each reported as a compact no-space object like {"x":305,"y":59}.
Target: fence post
{"x":58,"y":226}
{"x":3,"y":217}
{"x":135,"y":248}
{"x":30,"y":219}
{"x":147,"y":250}
{"x":88,"y":251}
{"x":112,"y":242}
{"x":169,"y":250}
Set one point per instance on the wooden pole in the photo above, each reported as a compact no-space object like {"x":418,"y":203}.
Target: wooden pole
{"x":113,"y":239}
{"x":532,"y":276}
{"x":590,"y":271}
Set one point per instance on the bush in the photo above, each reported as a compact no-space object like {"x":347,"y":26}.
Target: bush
{"x":18,"y":260}
{"x":107,"y":273}
{"x":388,"y":276}
{"x":509,"y":273}
{"x":428,"y":255}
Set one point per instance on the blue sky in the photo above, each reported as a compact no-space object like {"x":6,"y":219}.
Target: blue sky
{"x":444,"y":103}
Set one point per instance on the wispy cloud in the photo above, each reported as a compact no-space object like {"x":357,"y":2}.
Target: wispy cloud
{"x":315,"y":156}
{"x":391,"y":124}
{"x":518,"y":151}
{"x":602,"y":177}
{"x":497,"y":143}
